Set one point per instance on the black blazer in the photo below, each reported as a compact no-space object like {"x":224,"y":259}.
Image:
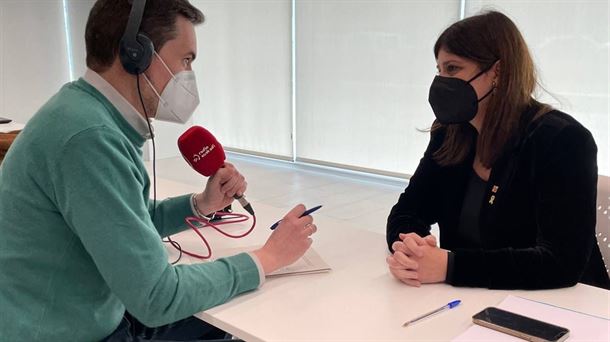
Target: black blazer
{"x":538,"y":231}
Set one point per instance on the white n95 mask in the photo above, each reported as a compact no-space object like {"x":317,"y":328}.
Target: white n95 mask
{"x":179,"y":99}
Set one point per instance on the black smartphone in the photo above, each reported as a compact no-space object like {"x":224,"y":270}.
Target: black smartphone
{"x":5,"y":120}
{"x":523,"y":327}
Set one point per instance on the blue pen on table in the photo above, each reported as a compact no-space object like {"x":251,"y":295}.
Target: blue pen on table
{"x":307,"y":212}
{"x":433,"y":312}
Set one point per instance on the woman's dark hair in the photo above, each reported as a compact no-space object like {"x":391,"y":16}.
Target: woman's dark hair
{"x":485,"y":39}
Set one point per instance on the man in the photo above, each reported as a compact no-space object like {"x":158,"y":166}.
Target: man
{"x":81,"y":256}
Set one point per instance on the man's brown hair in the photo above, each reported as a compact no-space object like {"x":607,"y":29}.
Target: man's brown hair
{"x":108,"y":19}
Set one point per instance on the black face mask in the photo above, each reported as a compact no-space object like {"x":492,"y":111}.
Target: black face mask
{"x":454,"y":100}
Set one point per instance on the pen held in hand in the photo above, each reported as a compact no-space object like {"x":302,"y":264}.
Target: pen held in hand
{"x":433,"y":312}
{"x":307,"y":212}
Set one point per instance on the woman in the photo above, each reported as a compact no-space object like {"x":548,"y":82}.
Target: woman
{"x":510,"y":181}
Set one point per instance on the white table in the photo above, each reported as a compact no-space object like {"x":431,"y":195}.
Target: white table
{"x":358,"y":300}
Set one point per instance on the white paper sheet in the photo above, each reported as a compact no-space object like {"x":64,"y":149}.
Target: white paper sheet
{"x":311,"y":262}
{"x":582,"y":327}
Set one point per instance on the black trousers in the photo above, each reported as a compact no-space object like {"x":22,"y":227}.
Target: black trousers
{"x":189,"y":329}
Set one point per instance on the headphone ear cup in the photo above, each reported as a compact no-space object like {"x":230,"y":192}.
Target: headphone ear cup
{"x":136,"y":56}
{"x":147,"y":51}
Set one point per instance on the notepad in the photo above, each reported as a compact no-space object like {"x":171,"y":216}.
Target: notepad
{"x":310,"y":262}
{"x":583,"y":327}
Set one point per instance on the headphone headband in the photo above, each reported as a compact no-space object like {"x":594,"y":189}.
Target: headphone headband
{"x":134,"y":21}
{"x":135,"y":49}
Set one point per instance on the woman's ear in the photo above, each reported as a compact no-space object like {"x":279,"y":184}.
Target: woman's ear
{"x":496,"y":69}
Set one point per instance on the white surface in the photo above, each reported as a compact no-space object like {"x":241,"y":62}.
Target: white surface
{"x":571,"y":49}
{"x":582,"y":327}
{"x":11,"y":126}
{"x":243,"y":72}
{"x":33,"y":55}
{"x":78,"y":13}
{"x":358,"y":300}
{"x":166,"y":138}
{"x":364,"y":69}
{"x":362,"y":202}
{"x":310,"y":263}
{"x":33,"y":52}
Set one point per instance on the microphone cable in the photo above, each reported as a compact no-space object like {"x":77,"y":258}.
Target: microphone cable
{"x":152,"y":137}
{"x":154,"y":169}
{"x":197,"y":223}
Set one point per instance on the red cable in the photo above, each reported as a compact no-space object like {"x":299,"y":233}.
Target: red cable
{"x":227,"y":218}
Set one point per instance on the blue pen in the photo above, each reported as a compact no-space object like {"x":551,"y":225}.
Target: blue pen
{"x":433,"y":312}
{"x":307,"y":212}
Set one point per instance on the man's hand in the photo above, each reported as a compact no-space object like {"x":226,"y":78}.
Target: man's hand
{"x":220,"y":189}
{"x":288,"y":242}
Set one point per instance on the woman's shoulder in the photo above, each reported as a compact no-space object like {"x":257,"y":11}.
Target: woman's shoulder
{"x":556,"y":129}
{"x":555,"y":121}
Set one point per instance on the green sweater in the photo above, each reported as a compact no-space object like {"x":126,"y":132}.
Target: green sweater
{"x":78,"y":246}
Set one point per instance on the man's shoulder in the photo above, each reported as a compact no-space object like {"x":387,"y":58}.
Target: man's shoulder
{"x":74,"y":106}
{"x":72,"y":110}
{"x":70,"y":113}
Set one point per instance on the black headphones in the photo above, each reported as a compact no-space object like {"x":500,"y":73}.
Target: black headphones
{"x":135,"y":49}
{"x":135,"y":52}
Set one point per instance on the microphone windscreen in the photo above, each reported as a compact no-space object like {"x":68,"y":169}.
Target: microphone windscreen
{"x":201,"y":150}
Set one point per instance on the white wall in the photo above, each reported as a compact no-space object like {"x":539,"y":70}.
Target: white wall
{"x":362,"y":76}
{"x":33,"y":55}
{"x":570,"y":42}
{"x":244,"y":74}
{"x":78,"y":13}
{"x":243,"y":71}
{"x":363,"y":73}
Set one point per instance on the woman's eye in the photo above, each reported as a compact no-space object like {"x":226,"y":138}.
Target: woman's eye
{"x":452,"y":68}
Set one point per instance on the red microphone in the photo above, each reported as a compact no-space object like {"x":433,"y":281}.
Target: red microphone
{"x":205,"y":155}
